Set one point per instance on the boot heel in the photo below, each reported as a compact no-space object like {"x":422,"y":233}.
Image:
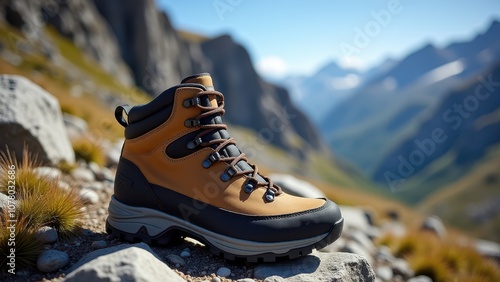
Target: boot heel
{"x":135,"y":224}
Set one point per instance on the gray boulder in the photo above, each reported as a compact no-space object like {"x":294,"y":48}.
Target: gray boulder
{"x":318,"y":267}
{"x":122,"y":263}
{"x":31,"y":116}
{"x":294,"y":186}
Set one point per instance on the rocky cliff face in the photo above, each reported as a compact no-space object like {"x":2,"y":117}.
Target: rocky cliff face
{"x":136,"y":34}
{"x":148,"y":43}
{"x":77,"y":20}
{"x":254,"y":103}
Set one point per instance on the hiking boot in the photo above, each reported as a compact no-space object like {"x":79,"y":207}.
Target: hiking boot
{"x":181,"y":174}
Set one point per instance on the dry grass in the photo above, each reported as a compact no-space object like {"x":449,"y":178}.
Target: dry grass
{"x":89,"y":151}
{"x":442,"y":260}
{"x":40,"y":202}
{"x":27,"y":245}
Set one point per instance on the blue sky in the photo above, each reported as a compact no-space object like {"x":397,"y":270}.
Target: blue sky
{"x":297,"y":37}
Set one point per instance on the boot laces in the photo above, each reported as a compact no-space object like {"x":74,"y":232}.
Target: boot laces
{"x":219,"y":144}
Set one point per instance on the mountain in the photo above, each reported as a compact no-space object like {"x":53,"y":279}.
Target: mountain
{"x":318,"y":93}
{"x":460,"y":131}
{"x":390,"y":105}
{"x":137,"y":44}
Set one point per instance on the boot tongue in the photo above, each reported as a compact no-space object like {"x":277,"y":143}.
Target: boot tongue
{"x":231,"y":150}
{"x":206,"y":80}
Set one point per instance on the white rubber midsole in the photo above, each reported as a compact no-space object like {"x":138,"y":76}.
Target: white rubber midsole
{"x":130,"y":219}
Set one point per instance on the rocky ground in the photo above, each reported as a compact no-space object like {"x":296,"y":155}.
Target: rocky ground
{"x":191,"y":260}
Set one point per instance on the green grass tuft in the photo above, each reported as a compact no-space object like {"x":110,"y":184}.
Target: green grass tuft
{"x":40,"y":202}
{"x":89,"y":151}
{"x":27,"y":245}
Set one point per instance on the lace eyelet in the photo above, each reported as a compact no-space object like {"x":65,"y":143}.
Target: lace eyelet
{"x":195,"y":143}
{"x":269,"y":195}
{"x":212,"y":158}
{"x":188,"y":103}
{"x":228,"y":173}
{"x":191,"y":122}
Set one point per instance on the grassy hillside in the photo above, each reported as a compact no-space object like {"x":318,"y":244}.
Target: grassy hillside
{"x":471,"y":202}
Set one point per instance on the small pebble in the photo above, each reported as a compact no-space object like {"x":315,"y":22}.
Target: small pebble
{"x":83,"y":174}
{"x":87,"y":233}
{"x":77,"y":244}
{"x":223,"y":272}
{"x":99,"y":244}
{"x":63,"y":185}
{"x":89,"y":196}
{"x":245,"y":280}
{"x":47,"y":234}
{"x":52,"y":260}
{"x":185,"y":254}
{"x":101,"y":211}
{"x":48,"y":172}
{"x":216,"y":279}
{"x":203,"y":273}
{"x":175,"y":260}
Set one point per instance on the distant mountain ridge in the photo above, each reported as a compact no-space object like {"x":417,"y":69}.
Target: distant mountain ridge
{"x":407,"y":90}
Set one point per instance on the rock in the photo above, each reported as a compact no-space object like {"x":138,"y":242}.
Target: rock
{"x":245,"y":280}
{"x":87,"y":233}
{"x":122,"y":263}
{"x":488,"y":249}
{"x":223,"y":272}
{"x":274,"y":279}
{"x":95,"y":168}
{"x":83,"y":174}
{"x":173,"y":259}
{"x":354,"y":218}
{"x":434,"y":225}
{"x":4,"y":201}
{"x":420,"y":278}
{"x":373,"y":233}
{"x":185,"y":254}
{"x":76,"y":127}
{"x":46,"y":234}
{"x":51,"y":173}
{"x":102,"y":252}
{"x":370,"y":216}
{"x":297,"y":187}
{"x":106,"y":175}
{"x":95,"y":186}
{"x":384,"y":273}
{"x":114,"y":152}
{"x":52,"y":260}
{"x":63,"y":185}
{"x":101,"y":244}
{"x":401,"y":267}
{"x":394,"y":227}
{"x":319,"y":267}
{"x":32,"y":117}
{"x":384,"y":255}
{"x":89,"y":196}
{"x":363,"y":240}
{"x":216,"y":279}
{"x":355,"y":248}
